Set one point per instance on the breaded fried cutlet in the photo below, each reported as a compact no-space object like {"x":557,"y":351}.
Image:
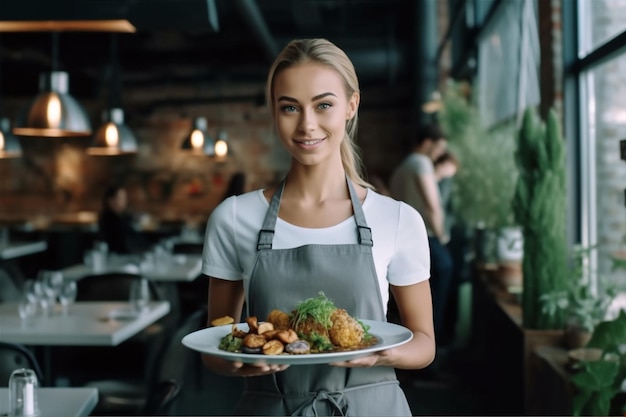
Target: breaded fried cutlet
{"x":346,"y":330}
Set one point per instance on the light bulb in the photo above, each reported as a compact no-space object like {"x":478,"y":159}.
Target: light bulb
{"x":111,"y":136}
{"x":54,"y":111}
{"x":197,"y":139}
{"x":221,"y":148}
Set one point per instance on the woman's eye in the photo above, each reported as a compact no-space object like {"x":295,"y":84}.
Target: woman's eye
{"x":325,"y":106}
{"x":288,"y":109}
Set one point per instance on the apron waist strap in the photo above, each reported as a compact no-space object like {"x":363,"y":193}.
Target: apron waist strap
{"x":336,"y":400}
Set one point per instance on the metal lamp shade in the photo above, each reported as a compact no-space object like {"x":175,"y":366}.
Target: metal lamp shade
{"x":198,"y":140}
{"x":9,"y":145}
{"x":113,"y":137}
{"x":54,"y":113}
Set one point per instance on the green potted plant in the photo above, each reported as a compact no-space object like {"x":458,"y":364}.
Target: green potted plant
{"x":539,"y":207}
{"x":484,"y":185}
{"x":601,"y":385}
{"x":582,"y":308}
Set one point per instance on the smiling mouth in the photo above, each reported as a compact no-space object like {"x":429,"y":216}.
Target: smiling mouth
{"x":310,"y":142}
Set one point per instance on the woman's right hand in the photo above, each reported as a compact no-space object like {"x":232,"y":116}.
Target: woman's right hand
{"x":237,"y":368}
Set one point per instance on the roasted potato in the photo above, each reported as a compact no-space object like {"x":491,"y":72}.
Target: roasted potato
{"x":252,"y":340}
{"x":273,"y":347}
{"x":222,"y":321}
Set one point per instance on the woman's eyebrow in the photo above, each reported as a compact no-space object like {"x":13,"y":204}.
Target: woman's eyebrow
{"x":317,"y":97}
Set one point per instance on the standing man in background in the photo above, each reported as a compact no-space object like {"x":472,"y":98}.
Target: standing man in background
{"x":414,"y":181}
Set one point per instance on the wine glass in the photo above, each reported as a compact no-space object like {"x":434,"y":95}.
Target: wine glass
{"x":46,"y":291}
{"x":26,"y":308}
{"x":67,"y":295}
{"x":139,"y":295}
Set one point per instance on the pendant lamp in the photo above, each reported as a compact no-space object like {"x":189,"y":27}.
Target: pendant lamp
{"x":222,"y":148}
{"x":54,"y":112}
{"x":9,"y":145}
{"x":113,"y":137}
{"x":198,"y":140}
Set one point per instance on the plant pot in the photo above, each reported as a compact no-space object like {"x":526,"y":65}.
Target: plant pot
{"x":510,"y":274}
{"x":576,"y":337}
{"x":510,"y":244}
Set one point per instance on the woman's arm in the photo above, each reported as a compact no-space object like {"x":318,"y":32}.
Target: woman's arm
{"x":415,"y":308}
{"x":226,"y":299}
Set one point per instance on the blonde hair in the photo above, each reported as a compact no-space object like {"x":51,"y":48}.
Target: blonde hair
{"x":322,"y":51}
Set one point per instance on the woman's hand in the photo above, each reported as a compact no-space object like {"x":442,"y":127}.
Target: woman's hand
{"x":256,"y":369}
{"x":376,"y":359}
{"x":238,"y":368}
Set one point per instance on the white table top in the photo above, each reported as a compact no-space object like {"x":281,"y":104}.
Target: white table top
{"x":178,"y":268}
{"x":58,"y":402}
{"x":88,"y":323}
{"x":16,"y":249}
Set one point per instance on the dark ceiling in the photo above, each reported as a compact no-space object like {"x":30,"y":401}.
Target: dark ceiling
{"x":191,"y":41}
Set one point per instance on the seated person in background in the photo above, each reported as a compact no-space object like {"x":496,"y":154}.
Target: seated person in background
{"x":115,"y":223}
{"x":236,"y":185}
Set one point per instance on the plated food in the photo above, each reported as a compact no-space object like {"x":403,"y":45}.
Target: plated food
{"x":315,"y":325}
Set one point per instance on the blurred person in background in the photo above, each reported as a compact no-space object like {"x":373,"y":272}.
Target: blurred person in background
{"x":115,"y":223}
{"x":414,"y":181}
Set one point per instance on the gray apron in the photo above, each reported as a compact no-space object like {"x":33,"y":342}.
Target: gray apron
{"x":281,"y":278}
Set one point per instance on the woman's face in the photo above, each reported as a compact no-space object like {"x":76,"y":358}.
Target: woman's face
{"x":311,"y":111}
{"x":119,"y":201}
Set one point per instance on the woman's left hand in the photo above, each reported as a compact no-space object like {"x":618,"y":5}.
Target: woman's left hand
{"x":375,"y":359}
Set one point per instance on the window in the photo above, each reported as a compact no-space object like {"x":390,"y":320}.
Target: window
{"x":508,"y":62}
{"x":600,"y":21}
{"x":602,"y":125}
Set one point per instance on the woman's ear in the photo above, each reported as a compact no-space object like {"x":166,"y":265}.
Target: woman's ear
{"x":353,"y":105}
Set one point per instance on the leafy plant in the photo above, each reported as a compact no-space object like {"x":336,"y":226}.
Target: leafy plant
{"x":578,"y":304}
{"x":484,"y":185}
{"x":539,"y":207}
{"x":599,"y":383}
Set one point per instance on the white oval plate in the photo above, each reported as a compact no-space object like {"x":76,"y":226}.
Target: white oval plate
{"x":389,"y":335}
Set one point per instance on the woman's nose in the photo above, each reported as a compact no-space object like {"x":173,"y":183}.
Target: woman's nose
{"x":308,"y":120}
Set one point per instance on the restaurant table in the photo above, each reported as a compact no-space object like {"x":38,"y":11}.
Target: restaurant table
{"x":89,"y":323}
{"x":58,"y":402}
{"x":16,"y":249}
{"x":178,"y":268}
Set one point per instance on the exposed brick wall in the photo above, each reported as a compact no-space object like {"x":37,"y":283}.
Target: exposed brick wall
{"x":56,"y":176}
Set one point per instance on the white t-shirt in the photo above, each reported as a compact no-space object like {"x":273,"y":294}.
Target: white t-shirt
{"x":400,"y":251}
{"x":402,"y":183}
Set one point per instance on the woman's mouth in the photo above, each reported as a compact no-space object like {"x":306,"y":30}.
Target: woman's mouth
{"x":308,"y":142}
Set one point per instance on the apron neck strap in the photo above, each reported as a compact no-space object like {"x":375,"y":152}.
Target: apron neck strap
{"x":266,"y":234}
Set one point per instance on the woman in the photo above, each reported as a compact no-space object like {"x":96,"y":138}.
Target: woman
{"x":115,"y":223}
{"x":311,"y":233}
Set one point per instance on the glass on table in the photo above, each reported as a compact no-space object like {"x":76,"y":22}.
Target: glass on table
{"x":23,"y":386}
{"x":35,"y":292}
{"x":67,"y":295}
{"x":50,"y":283}
{"x":139,"y":295}
{"x":26,"y":308}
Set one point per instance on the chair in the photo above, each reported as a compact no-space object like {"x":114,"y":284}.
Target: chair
{"x":188,"y":248}
{"x":161,"y":397}
{"x":9,"y":290}
{"x":14,"y":356}
{"x":155,"y":396}
{"x":110,"y":286}
{"x":133,"y":356}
